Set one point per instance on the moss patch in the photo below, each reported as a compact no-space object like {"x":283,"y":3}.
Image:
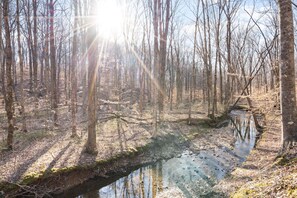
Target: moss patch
{"x":6,"y":187}
{"x":284,"y":161}
{"x":292,"y":192}
{"x":254,"y":190}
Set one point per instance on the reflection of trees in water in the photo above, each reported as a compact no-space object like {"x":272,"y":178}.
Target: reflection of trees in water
{"x":143,"y":183}
{"x":154,"y":180}
{"x":133,"y":187}
{"x":241,"y":126}
{"x":147,"y":182}
{"x":114,"y":187}
{"x":160,"y":177}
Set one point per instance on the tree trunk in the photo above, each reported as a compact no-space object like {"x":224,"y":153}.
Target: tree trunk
{"x":156,"y":64}
{"x":30,"y":45}
{"x":2,"y":58}
{"x":34,"y":51}
{"x":73,"y":73}
{"x":287,"y":74}
{"x":47,"y":78}
{"x":92,"y":44}
{"x":54,"y":104}
{"x":179,"y":81}
{"x":22,"y":111}
{"x":9,"y":80}
{"x":163,"y":31}
{"x":193,"y":66}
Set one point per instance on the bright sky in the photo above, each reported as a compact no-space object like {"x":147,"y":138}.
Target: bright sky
{"x":110,"y":19}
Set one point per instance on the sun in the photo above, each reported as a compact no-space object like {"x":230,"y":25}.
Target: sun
{"x":109,"y":19}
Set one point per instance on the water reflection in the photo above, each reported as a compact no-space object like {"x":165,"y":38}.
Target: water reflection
{"x":243,"y":127}
{"x":189,"y":175}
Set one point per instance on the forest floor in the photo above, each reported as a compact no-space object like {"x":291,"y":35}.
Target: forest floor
{"x":265,"y":173}
{"x":46,"y":151}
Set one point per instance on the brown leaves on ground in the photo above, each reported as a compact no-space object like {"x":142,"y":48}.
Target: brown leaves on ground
{"x":47,"y":148}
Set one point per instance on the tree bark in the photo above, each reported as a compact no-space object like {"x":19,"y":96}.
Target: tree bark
{"x":34,"y":50}
{"x":73,"y":72}
{"x":54,"y":104}
{"x":91,"y":146}
{"x":156,"y":64}
{"x":9,"y":80}
{"x":22,"y":111}
{"x":287,"y":74}
{"x":193,"y":66}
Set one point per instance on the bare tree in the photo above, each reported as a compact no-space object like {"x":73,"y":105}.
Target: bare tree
{"x":54,"y":102}
{"x":22,"y":110}
{"x":287,"y":74}
{"x":35,"y":49}
{"x":161,"y":21}
{"x":9,"y":107}
{"x":193,"y":65}
{"x":74,"y":70}
{"x":92,"y":43}
{"x":230,"y":9}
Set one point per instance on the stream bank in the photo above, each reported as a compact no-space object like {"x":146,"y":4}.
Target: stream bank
{"x":199,"y":139}
{"x":56,"y":181}
{"x":264,"y":173}
{"x":204,"y":161}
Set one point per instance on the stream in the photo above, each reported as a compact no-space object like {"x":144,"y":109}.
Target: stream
{"x":187,"y":175}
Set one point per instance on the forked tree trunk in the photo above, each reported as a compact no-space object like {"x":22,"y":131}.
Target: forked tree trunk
{"x":161,"y":18}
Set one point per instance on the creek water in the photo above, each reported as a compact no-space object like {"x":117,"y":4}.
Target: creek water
{"x":188,"y":175}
